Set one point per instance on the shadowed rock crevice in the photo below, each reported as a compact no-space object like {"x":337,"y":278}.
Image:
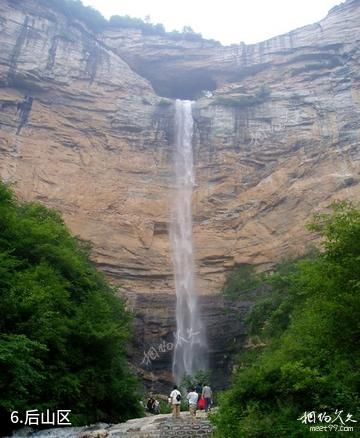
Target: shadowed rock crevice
{"x":23,"y":110}
{"x":52,"y":53}
{"x":93,"y":54}
{"x":188,"y":86}
{"x":17,"y":50}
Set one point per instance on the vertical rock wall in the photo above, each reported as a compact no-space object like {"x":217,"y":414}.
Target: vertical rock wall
{"x":278,"y":138}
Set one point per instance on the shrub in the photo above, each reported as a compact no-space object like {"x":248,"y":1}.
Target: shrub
{"x":309,"y":327}
{"x":74,"y":9}
{"x":63,"y":332}
{"x":165,"y":102}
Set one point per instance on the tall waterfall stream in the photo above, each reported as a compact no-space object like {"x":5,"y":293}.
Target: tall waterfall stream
{"x":190,"y":352}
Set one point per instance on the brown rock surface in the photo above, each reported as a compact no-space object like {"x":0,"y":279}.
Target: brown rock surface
{"x":82,"y":131}
{"x":96,"y":141}
{"x":93,"y":144}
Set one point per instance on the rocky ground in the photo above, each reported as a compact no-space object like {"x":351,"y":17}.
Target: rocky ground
{"x":162,"y":426}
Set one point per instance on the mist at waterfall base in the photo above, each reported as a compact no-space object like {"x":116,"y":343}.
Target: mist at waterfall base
{"x":190,"y":352}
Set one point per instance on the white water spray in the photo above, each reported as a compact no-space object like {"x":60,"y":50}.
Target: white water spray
{"x":190,"y":353}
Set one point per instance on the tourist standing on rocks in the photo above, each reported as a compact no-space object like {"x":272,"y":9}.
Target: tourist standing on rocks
{"x":193,"y":399}
{"x":175,"y":401}
{"x":150,"y":404}
{"x":153,"y":405}
{"x":207,"y":394}
{"x":157,"y":407}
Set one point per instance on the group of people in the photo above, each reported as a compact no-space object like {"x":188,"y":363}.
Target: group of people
{"x":153,"y":405}
{"x":199,"y":397}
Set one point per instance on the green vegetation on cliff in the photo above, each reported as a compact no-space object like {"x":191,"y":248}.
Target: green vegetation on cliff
{"x":63,"y":332}
{"x":305,"y":341}
{"x":75,"y":10}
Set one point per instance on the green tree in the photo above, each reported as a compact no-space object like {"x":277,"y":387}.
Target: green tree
{"x":241,"y":281}
{"x":190,"y":381}
{"x":94,"y":20}
{"x":309,"y":356}
{"x":63,"y":332}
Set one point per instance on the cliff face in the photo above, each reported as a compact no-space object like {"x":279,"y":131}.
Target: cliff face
{"x":93,"y":143}
{"x":82,"y":130}
{"x":182,"y":68}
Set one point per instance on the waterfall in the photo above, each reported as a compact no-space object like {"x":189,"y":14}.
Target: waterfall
{"x":190,"y":352}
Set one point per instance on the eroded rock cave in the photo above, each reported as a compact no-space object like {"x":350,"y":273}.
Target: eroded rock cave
{"x":190,"y":86}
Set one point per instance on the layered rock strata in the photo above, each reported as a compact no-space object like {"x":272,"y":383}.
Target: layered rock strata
{"x":155,"y":336}
{"x":277,"y":139}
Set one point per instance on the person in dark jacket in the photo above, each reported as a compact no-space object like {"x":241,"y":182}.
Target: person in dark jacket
{"x":150,"y":404}
{"x":198,"y":389}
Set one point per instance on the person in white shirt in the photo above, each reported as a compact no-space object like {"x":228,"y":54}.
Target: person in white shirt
{"x":193,"y":399}
{"x":156,"y":407}
{"x":175,"y":401}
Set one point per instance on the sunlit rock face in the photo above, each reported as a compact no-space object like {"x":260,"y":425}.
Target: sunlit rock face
{"x":83,"y":129}
{"x":94,"y":144}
